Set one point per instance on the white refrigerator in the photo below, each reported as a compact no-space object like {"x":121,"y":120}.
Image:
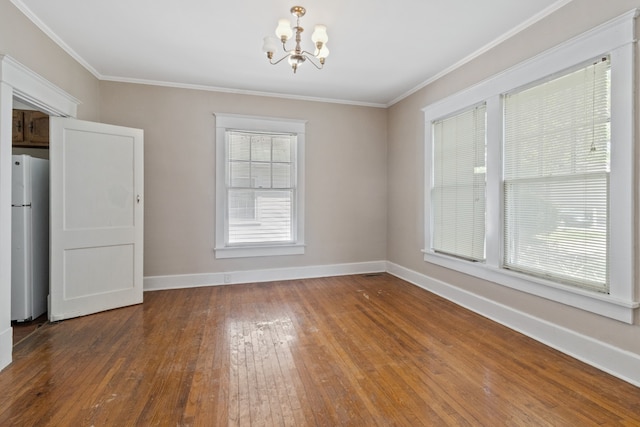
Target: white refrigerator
{"x":29,"y":237}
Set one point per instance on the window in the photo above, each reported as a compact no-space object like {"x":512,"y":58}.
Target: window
{"x":559,"y":195}
{"x":259,"y":189}
{"x":458,"y":193}
{"x":556,"y":177}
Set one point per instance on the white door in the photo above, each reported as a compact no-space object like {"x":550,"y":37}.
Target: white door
{"x":96,"y":217}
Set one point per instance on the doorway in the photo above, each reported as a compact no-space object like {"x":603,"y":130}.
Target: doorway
{"x":21,"y":84}
{"x":30,"y":220}
{"x":96,"y":205}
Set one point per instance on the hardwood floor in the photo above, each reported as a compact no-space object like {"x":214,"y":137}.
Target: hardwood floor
{"x":22,"y":330}
{"x":355,"y":350}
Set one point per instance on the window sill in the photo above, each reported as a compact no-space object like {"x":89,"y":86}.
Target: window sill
{"x":602,"y":304}
{"x":259,"y":251}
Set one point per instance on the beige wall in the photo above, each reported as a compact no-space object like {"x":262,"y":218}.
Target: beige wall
{"x":24,"y":42}
{"x":345,"y":176}
{"x":406,"y":168}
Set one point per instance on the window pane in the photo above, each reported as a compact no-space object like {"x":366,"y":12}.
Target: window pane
{"x":281,"y":175}
{"x":271,"y":220}
{"x":242,"y":206}
{"x":556,"y":228}
{"x":556,"y":172}
{"x":239,"y":173}
{"x":282,"y":148}
{"x":458,"y":193}
{"x":239,"y":146}
{"x":261,"y":175}
{"x":261,"y":148}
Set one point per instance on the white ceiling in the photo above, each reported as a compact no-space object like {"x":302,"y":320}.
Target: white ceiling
{"x":381,"y":50}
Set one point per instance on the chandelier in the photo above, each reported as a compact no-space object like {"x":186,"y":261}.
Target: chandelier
{"x":297,"y":56}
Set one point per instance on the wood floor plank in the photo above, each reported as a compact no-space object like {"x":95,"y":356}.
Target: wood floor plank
{"x":353,"y":350}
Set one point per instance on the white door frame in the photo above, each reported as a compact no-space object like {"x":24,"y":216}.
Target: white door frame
{"x":17,"y":81}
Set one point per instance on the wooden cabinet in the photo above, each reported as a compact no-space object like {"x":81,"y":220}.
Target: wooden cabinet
{"x":30,"y":129}
{"x":17,"y":130}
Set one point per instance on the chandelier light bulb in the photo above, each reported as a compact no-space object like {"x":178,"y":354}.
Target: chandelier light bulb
{"x":284,"y":31}
{"x":322,"y":53}
{"x":270,"y":45}
{"x":320,"y":34}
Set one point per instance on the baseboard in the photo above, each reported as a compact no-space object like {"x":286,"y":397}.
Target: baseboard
{"x":154,"y":283}
{"x":6,"y":347}
{"x":615,"y":361}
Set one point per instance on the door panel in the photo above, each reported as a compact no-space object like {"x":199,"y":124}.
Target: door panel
{"x":96,"y":217}
{"x":91,"y":201}
{"x":110,"y":269}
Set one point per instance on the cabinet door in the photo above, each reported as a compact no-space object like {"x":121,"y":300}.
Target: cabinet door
{"x":30,"y":129}
{"x":17,"y":132}
{"x":37,"y":128}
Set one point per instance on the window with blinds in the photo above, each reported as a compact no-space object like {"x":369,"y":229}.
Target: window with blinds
{"x":261,"y":187}
{"x":459,"y":181}
{"x":556,"y":178}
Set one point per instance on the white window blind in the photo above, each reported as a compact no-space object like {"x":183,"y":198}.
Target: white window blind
{"x":556,"y":178}
{"x":459,"y":181}
{"x":261,"y":187}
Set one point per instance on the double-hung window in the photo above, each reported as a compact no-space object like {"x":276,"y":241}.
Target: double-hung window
{"x":529,"y":178}
{"x":556,"y":177}
{"x":260,"y":186}
{"x":458,"y":192}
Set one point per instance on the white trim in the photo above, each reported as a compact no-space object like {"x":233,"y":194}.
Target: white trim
{"x":6,"y":347}
{"x":615,"y":361}
{"x":241,"y":91}
{"x":622,"y":179}
{"x":617,"y":39}
{"x":602,"y":304}
{"x":155,"y":283}
{"x":6,"y":338}
{"x":257,"y":251}
{"x":17,"y":81}
{"x":259,"y":123}
{"x":36,"y":90}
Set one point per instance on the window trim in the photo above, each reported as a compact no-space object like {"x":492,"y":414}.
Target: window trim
{"x":226,"y":122}
{"x":616,"y":39}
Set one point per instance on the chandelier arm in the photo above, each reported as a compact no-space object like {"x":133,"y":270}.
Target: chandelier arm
{"x":279,"y":60}
{"x":311,"y":58}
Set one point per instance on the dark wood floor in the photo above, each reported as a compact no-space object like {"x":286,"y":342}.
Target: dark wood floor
{"x":22,"y":330}
{"x":356,"y":350}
